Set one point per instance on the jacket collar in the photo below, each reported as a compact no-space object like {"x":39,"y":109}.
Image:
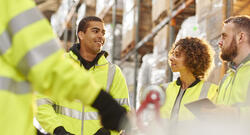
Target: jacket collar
{"x":178,"y":82}
{"x":99,"y":60}
{"x":233,"y":67}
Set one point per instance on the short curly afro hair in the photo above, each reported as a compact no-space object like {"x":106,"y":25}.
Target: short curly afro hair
{"x":198,"y":55}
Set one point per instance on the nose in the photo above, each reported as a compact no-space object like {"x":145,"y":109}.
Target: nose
{"x":220,"y":43}
{"x":171,"y":58}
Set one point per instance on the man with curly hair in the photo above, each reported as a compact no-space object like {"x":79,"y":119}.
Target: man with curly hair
{"x":192,"y":58}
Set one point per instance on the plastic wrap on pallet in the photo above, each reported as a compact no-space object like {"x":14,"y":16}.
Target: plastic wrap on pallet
{"x":190,"y":28}
{"x":128,"y":72}
{"x":202,"y":9}
{"x":144,"y":75}
{"x":152,"y":71}
{"x":159,"y":66}
{"x":58,"y":20}
{"x":210,"y":15}
{"x":214,"y":20}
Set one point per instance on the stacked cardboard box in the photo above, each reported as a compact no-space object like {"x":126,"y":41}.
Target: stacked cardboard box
{"x":128,"y":30}
{"x":160,"y":10}
{"x":210,"y":15}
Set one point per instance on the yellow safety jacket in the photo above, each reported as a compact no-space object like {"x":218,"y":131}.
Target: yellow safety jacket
{"x":53,"y":113}
{"x":198,"y":90}
{"x":234,"y":89}
{"x":31,"y":59}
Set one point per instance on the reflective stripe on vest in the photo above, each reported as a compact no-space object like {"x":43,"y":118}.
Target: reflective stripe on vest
{"x":44,"y":101}
{"x":204,"y":90}
{"x":72,"y":112}
{"x":24,"y":19}
{"x":13,"y":86}
{"x":111,"y":74}
{"x":122,"y":101}
{"x":36,"y":55}
{"x":17,"y":23}
{"x":5,"y":42}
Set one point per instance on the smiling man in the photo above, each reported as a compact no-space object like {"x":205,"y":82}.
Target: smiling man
{"x":62,"y":117}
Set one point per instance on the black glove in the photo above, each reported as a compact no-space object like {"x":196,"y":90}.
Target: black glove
{"x":103,"y":131}
{"x":112,"y":114}
{"x":61,"y":131}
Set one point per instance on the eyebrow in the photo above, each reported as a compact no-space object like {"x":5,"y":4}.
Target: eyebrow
{"x":223,"y":34}
{"x":95,"y":28}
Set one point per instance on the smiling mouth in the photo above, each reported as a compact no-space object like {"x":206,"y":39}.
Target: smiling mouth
{"x":100,"y":42}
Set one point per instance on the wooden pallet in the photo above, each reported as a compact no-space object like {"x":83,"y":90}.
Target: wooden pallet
{"x":177,"y":3}
{"x":128,"y":49}
{"x":160,"y":17}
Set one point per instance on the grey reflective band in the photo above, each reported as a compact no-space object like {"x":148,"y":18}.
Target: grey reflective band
{"x":122,"y":101}
{"x":43,"y":101}
{"x":91,"y":116}
{"x":204,"y":90}
{"x":5,"y":42}
{"x":13,"y":86}
{"x":82,"y":121}
{"x":68,"y":112}
{"x":75,"y":113}
{"x":36,"y":55}
{"x":24,"y":19}
{"x":111,"y":74}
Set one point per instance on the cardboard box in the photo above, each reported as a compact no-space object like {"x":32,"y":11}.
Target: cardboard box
{"x":203,"y":8}
{"x":161,"y":40}
{"x":160,"y":8}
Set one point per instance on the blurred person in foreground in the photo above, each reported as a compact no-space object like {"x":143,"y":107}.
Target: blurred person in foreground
{"x":89,"y":55}
{"x":234,"y":90}
{"x":31,"y":60}
{"x":192,"y":58}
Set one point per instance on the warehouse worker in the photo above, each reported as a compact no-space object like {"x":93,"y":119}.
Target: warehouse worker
{"x":234,"y":89}
{"x":30,"y":59}
{"x":192,"y":58}
{"x":89,"y":55}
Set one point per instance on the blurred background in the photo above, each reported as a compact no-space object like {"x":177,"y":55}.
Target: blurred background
{"x":141,"y":32}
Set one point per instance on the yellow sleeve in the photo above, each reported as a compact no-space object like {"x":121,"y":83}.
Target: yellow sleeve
{"x":119,"y":89}
{"x":35,"y":54}
{"x":46,"y":115}
{"x":213,"y":93}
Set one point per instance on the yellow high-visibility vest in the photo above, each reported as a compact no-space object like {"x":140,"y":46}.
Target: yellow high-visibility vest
{"x":53,"y":113}
{"x":234,"y":89}
{"x":31,"y":59}
{"x":200,"y":90}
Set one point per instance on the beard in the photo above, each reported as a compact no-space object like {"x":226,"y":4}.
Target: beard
{"x":229,"y":53}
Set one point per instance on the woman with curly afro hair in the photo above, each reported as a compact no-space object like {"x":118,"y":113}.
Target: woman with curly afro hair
{"x":192,"y":58}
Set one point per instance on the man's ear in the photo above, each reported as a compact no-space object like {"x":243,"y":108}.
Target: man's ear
{"x":80,"y":35}
{"x":241,"y":37}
